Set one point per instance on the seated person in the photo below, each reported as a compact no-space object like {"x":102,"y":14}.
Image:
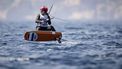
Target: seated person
{"x":43,"y":20}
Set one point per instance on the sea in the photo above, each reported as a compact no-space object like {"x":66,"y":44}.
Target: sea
{"x":85,"y":45}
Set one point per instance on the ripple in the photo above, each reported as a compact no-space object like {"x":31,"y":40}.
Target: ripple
{"x":112,"y":43}
{"x":86,"y":46}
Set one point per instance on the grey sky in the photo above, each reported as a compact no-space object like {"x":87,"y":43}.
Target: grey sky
{"x":66,"y":9}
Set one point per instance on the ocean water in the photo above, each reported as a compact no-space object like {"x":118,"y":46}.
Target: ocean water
{"x":85,"y":45}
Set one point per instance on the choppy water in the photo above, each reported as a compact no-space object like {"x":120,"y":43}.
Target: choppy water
{"x":84,"y":46}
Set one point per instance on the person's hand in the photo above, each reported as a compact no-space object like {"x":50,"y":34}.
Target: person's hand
{"x":52,"y":17}
{"x":42,"y":21}
{"x":49,"y":27}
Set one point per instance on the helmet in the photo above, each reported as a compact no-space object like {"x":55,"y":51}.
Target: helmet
{"x":44,"y":8}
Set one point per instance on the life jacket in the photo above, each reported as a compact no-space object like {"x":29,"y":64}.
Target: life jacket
{"x":44,"y":20}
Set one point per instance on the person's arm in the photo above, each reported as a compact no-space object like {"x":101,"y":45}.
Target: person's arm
{"x":37,"y":19}
{"x":49,"y":21}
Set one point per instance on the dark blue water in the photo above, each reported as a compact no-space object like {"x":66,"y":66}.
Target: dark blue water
{"x":84,"y":45}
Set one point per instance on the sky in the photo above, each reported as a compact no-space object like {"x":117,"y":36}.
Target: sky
{"x":73,"y":10}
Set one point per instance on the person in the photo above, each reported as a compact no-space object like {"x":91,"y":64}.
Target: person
{"x":43,"y":20}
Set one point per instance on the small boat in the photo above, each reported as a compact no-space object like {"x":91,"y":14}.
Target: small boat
{"x":43,"y":36}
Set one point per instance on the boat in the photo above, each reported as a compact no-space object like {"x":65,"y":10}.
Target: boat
{"x":43,"y":36}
